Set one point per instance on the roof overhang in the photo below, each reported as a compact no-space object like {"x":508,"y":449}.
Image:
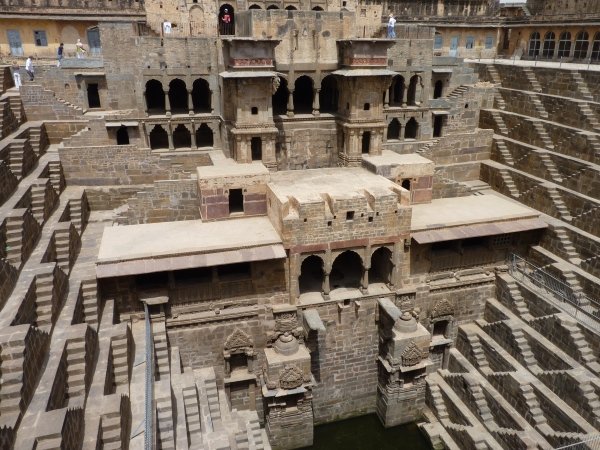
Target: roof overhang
{"x":477,"y":230}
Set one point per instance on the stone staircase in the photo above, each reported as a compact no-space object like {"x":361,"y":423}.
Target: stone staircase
{"x":565,"y":242}
{"x":539,"y":107}
{"x":509,"y":183}
{"x":533,"y":82}
{"x":111,"y":431}
{"x":582,"y":86}
{"x":542,"y":134}
{"x":14,"y":241}
{"x":120,"y":355}
{"x":585,"y":354}
{"x":164,"y":422}
{"x":536,"y":415}
{"x":504,"y":152}
{"x":458,"y":92}
{"x":559,"y":204}
{"x":56,"y":176}
{"x":524,"y":348}
{"x":161,"y":350}
{"x":550,"y":167}
{"x":46,"y":308}
{"x":51,"y":442}
{"x":76,"y":214}
{"x":192,"y":416}
{"x":11,"y":368}
{"x":517,"y":300}
{"x":589,"y":115}
{"x":76,"y":373}
{"x":437,"y":402}
{"x":500,"y":125}
{"x":17,"y":159}
{"x":62,"y":237}
{"x":89,"y":289}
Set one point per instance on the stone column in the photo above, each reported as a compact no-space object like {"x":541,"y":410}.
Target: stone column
{"x":316,"y":105}
{"x":145,"y":103}
{"x":386,"y":99}
{"x":167,"y":104}
{"x":372,"y":144}
{"x":290,"y":104}
{"x":395,"y":275}
{"x":170,"y":136}
{"x":190,"y":103}
{"x":326,"y":285}
{"x":364,"y":284}
{"x":193,"y":136}
{"x":212,"y":108}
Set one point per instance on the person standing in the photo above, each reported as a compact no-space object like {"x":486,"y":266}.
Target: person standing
{"x":17,"y":75}
{"x":391,"y":31}
{"x":60,"y":53}
{"x":226,"y":19}
{"x":79,"y":50}
{"x":29,"y":67}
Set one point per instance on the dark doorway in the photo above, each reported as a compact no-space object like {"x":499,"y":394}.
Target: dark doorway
{"x":272,"y":7}
{"x":204,"y":136}
{"x":303,"y":95}
{"x":397,"y":91}
{"x":159,"y":138}
{"x":329,"y":95}
{"x":317,"y":8}
{"x":381,"y":266}
{"x":412,"y":127}
{"x":182,"y":137}
{"x":255,"y":6}
{"x":236,"y":201}
{"x":226,"y":20}
{"x":280,"y":97}
{"x":394,"y":129}
{"x":438,"y":88}
{"x":93,"y":95}
{"x":178,"y":96}
{"x":256,"y":148}
{"x":155,"y":97}
{"x":411,"y":95}
{"x":438,"y":124}
{"x":201,"y":96}
{"x":346,"y":271}
{"x":122,"y":136}
{"x":311,"y":275}
{"x":366,"y":142}
{"x":291,"y":8}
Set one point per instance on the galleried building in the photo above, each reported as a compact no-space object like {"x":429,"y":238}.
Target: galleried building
{"x":230,"y":223}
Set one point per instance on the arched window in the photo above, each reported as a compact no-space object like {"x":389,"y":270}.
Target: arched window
{"x":255,"y":6}
{"x":311,"y":275}
{"x":272,"y":7}
{"x":346,"y":271}
{"x":596,"y":47}
{"x":582,"y":44}
{"x":397,"y":89}
{"x":549,"y":45}
{"x":317,"y":8}
{"x":438,"y":88}
{"x":329,"y":95}
{"x":122,"y":136}
{"x":303,"y":95}
{"x":534,"y":44}
{"x":182,"y":137}
{"x":381,"y":266}
{"x":564,"y":45}
{"x":178,"y":96}
{"x":201,"y":96}
{"x":158,"y":138}
{"x":155,"y":97}
{"x":394,"y":129}
{"x":280,"y":97}
{"x":204,"y":136}
{"x":226,"y":20}
{"x":412,"y":96}
{"x":291,"y":8}
{"x":411,"y":129}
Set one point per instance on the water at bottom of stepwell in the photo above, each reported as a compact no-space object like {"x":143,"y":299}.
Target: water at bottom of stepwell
{"x":367,"y":433}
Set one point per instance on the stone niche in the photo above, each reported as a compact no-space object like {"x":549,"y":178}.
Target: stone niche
{"x":403,"y":365}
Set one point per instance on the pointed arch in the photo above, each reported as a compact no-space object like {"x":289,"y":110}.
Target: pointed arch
{"x":303,"y":95}
{"x":393,"y":131}
{"x":312,"y":275}
{"x":346,"y":271}
{"x":182,"y":137}
{"x":155,"y":97}
{"x":159,"y":138}
{"x":178,"y":96}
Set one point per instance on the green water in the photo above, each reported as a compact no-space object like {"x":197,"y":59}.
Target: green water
{"x":367,"y":433}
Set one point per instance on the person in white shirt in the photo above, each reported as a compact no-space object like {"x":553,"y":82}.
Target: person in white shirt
{"x":29,"y":67}
{"x":17,"y":76}
{"x":391,"y":32}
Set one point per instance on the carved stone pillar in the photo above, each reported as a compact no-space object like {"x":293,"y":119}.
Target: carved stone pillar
{"x":190,"y":103}
{"x":290,"y":104}
{"x":170,"y":136}
{"x":386,"y":98}
{"x":316,"y":105}
{"x":167,"y":104}
{"x":193,"y":136}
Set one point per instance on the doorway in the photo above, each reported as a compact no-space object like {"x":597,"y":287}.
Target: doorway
{"x":93,"y":95}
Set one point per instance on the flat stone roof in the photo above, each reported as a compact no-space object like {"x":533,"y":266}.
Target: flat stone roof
{"x":463,"y":217}
{"x":230,"y":167}
{"x":308,"y":185}
{"x":157,"y":247}
{"x":390,"y":158}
